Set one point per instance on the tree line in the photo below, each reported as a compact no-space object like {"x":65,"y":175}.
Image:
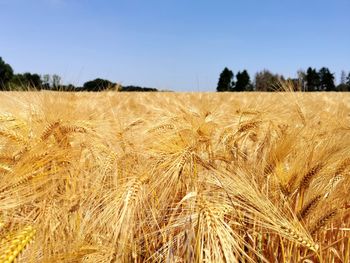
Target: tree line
{"x":309,"y":80}
{"x":11,"y":81}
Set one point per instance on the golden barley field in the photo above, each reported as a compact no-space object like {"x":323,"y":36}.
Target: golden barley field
{"x":174,"y":177}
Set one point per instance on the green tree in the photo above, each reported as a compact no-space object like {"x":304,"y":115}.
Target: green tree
{"x":342,"y":77}
{"x":136,"y":88}
{"x":56,"y":82}
{"x":343,"y":87}
{"x":302,"y":79}
{"x":267,"y":81}
{"x":326,"y":79}
{"x":35,"y":81}
{"x":46,"y":81}
{"x":26,"y":80}
{"x":225,"y":80}
{"x":6,"y":74}
{"x":312,"y":80}
{"x":242,"y":81}
{"x":344,"y":83}
{"x":97,"y":85}
{"x":348,"y":79}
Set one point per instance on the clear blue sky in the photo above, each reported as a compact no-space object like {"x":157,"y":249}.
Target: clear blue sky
{"x":181,"y":45}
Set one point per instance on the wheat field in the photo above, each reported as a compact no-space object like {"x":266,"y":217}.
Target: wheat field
{"x":174,"y":177}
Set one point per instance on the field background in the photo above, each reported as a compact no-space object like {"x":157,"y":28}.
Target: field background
{"x":174,"y":177}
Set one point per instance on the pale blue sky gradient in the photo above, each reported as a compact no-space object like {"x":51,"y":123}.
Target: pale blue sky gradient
{"x":181,"y":45}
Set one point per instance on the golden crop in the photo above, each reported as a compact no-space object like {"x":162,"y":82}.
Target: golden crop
{"x":174,"y":177}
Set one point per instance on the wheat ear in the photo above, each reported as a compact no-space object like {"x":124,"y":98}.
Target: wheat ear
{"x":49,"y":129}
{"x":11,"y":248}
{"x":306,"y":210}
{"x":309,"y":175}
{"x":304,"y":241}
{"x":322,"y":221}
{"x":13,"y":136}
